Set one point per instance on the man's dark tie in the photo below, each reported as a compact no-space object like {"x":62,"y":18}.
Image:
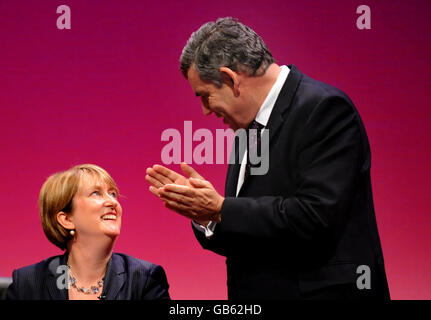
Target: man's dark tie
{"x":253,"y":145}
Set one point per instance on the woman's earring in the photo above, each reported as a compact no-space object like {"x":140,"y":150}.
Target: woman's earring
{"x":72,"y":232}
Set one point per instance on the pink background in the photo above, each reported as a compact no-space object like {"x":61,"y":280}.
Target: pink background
{"x":104,"y":91}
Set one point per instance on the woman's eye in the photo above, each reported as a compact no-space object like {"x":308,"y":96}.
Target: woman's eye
{"x":114,"y":194}
{"x":95,"y":193}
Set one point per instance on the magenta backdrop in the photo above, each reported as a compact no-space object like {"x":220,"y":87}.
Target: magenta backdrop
{"x":104,"y":91}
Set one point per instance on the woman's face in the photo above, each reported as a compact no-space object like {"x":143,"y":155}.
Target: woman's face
{"x":95,"y":209}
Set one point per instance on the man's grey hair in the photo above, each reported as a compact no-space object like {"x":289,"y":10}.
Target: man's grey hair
{"x":225,"y":43}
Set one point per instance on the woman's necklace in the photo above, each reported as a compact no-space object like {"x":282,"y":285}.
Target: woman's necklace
{"x":93,"y":289}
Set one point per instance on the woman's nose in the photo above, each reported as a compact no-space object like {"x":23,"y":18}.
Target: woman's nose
{"x":110,"y":200}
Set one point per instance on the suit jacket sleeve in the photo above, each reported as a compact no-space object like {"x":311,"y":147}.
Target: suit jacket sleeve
{"x":327,"y":157}
{"x":157,"y":285}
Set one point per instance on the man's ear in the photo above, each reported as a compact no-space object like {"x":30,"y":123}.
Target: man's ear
{"x":65,"y":220}
{"x":231,"y":79}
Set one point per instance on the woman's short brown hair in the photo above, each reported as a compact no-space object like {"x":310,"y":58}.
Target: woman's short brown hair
{"x":57,"y":194}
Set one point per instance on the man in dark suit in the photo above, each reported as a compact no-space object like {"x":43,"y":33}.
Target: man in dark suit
{"x":306,"y":228}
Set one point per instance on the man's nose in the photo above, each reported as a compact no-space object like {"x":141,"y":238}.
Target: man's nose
{"x":206,"y":111}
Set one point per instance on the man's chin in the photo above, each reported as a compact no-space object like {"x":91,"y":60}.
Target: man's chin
{"x":234,"y":127}
{"x":230,"y":125}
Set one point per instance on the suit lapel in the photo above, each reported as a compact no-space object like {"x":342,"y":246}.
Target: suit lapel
{"x":54,"y":292}
{"x":277,"y":116}
{"x":283,"y":101}
{"x":115,"y":277}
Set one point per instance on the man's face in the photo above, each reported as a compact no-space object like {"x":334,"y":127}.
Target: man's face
{"x":220,"y":101}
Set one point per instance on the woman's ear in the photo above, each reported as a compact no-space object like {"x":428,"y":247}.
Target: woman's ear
{"x":231,"y":79}
{"x":65,"y":220}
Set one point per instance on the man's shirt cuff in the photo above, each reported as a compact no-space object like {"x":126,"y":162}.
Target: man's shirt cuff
{"x":208,"y":230}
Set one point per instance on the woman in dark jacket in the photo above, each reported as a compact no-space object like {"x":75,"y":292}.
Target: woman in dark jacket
{"x":81,"y":214}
